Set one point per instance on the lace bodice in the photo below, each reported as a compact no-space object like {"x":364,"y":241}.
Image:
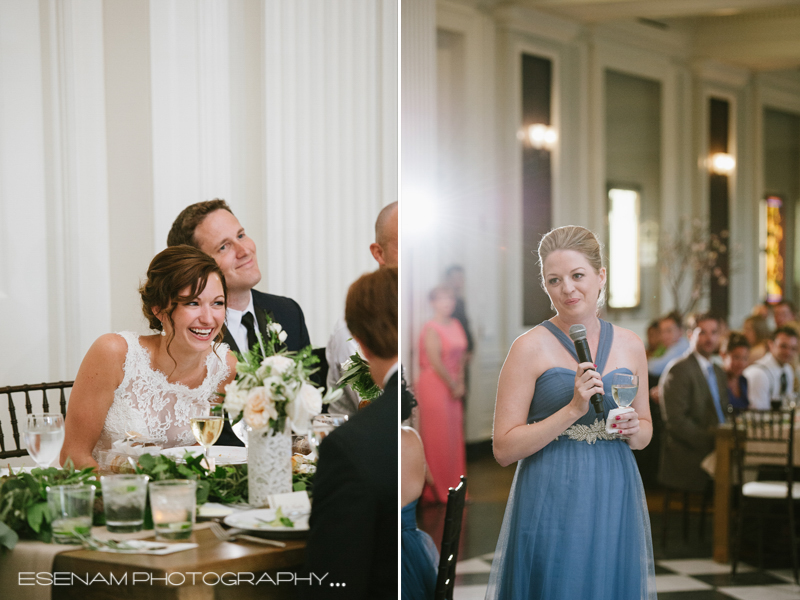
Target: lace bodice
{"x":147,"y":403}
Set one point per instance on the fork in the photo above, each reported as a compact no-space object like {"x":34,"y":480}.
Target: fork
{"x":231,"y":535}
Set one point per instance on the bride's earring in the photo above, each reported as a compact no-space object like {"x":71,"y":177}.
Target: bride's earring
{"x":164,"y":333}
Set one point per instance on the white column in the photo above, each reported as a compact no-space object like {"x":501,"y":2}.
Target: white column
{"x":329,"y":117}
{"x":78,"y":272}
{"x":130,"y":157}
{"x":191,"y":121}
{"x":24,"y":290}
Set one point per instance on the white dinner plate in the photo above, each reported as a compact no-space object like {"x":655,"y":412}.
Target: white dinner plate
{"x":254,"y":520}
{"x":222,"y":455}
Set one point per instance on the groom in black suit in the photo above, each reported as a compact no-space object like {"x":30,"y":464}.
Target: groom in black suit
{"x":212,"y":227}
{"x":353,"y":536}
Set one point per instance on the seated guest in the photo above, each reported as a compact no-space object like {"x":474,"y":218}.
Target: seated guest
{"x":670,"y":331}
{"x":693,"y":403}
{"x":353,"y":534}
{"x":654,"y":346}
{"x":341,"y":345}
{"x":735,"y":356}
{"x":784,"y":314}
{"x":756,"y":331}
{"x":772,"y":376}
{"x":150,"y":384}
{"x":418,"y":552}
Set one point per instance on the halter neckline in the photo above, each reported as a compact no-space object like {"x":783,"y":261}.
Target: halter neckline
{"x":603,"y":347}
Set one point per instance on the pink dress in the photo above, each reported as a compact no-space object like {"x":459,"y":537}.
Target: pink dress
{"x":441,"y":417}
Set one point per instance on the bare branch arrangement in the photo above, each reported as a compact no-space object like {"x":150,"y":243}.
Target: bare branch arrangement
{"x":690,"y":258}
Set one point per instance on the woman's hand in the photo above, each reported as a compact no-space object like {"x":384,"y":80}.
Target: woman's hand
{"x":587,"y":383}
{"x":626,"y":424}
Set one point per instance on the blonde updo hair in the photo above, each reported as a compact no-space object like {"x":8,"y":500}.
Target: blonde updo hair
{"x":579,"y":239}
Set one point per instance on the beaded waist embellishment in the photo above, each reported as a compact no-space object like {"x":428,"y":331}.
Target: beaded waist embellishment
{"x":589,"y":433}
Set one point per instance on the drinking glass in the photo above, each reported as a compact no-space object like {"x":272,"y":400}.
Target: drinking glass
{"x":321,"y":426}
{"x":206,"y":428}
{"x":173,"y":503}
{"x":124,"y":499}
{"x":71,"y":508}
{"x":624,"y":388}
{"x":44,"y":436}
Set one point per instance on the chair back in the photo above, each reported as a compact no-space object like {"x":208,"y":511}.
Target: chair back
{"x":31,"y":398}
{"x":446,"y":576}
{"x":764,"y":439}
{"x":320,"y":376}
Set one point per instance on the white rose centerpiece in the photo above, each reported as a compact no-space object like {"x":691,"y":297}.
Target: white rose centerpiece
{"x":274,"y":394}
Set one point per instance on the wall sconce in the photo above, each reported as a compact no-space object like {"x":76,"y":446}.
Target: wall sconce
{"x":721,"y":163}
{"x":540,"y":137}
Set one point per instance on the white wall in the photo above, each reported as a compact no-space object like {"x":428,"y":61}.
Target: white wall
{"x":116,"y":115}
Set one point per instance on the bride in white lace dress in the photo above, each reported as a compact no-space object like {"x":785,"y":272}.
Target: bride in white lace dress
{"x":151,"y":384}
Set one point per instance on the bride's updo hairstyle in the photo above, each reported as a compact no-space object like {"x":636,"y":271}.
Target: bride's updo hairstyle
{"x":578,"y":239}
{"x":171,"y":271}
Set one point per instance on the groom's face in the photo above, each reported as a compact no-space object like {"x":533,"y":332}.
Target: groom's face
{"x":222,"y":237}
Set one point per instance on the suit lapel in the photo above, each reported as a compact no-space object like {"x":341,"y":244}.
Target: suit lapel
{"x":704,"y":383}
{"x":261,"y":320}
{"x":228,"y":339}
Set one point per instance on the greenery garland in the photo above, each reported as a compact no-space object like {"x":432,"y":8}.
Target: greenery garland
{"x":24,"y":513}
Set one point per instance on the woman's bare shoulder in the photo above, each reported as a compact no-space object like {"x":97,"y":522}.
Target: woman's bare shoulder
{"x":110,"y":346}
{"x":532,"y":340}
{"x":628,"y":346}
{"x":628,"y":337}
{"x":411,"y":444}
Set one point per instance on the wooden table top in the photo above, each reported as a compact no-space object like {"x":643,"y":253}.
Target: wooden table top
{"x":192,"y":573}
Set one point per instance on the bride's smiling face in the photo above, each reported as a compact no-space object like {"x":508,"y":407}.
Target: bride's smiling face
{"x":197,"y":321}
{"x":572,"y":283}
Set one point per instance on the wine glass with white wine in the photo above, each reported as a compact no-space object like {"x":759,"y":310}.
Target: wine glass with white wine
{"x":624,"y":388}
{"x":206,"y":429}
{"x":44,"y":436}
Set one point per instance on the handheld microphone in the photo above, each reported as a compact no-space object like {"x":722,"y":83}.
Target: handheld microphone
{"x":578,"y":335}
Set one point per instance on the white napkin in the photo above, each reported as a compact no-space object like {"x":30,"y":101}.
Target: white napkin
{"x":612,"y":418}
{"x":150,"y":547}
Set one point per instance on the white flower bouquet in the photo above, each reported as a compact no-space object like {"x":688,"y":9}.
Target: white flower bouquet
{"x":273,"y":389}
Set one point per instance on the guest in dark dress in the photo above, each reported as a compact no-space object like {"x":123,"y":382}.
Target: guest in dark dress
{"x":419,"y":557}
{"x":735,"y":358}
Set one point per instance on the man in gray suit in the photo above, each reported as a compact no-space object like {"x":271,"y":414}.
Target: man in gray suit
{"x":694,"y":401}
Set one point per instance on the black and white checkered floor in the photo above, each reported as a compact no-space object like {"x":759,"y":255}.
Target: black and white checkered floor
{"x":693,"y":579}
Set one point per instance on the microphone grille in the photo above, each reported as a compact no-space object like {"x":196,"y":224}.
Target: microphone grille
{"x":577,"y":332}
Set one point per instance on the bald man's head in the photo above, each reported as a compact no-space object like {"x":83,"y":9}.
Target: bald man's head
{"x":384,"y":249}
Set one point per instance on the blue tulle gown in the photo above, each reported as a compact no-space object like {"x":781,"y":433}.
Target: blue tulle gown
{"x":576,"y":523}
{"x":420,"y":558}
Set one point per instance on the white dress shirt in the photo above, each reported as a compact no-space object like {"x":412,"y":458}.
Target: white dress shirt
{"x":341,"y":346}
{"x":233,"y":321}
{"x":764,"y":381}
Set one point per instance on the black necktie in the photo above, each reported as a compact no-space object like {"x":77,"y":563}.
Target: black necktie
{"x":252,"y":340}
{"x":784,"y":383}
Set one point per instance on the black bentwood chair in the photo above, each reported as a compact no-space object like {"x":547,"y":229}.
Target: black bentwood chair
{"x":764,"y":451}
{"x":446,"y":577}
{"x":18,"y":392}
